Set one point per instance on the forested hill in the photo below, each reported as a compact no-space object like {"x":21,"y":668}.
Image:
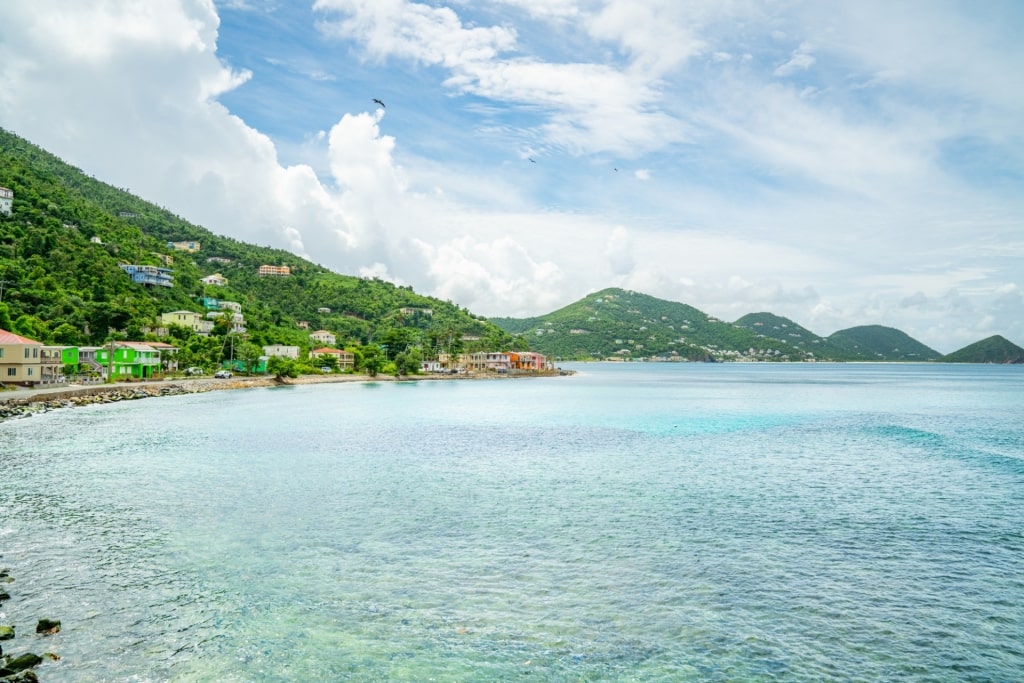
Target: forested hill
{"x":616,"y":323}
{"x":864,"y":343}
{"x":61,"y":282}
{"x":994,"y":349}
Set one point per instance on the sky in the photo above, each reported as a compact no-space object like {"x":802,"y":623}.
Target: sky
{"x":843,"y":163}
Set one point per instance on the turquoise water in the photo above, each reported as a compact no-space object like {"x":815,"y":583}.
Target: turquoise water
{"x":637,"y":522}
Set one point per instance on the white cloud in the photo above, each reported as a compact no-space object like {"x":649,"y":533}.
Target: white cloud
{"x":835,"y":205}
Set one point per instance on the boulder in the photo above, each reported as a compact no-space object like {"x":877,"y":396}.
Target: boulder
{"x":48,"y":627}
{"x":6,"y":632}
{"x":4,"y":595}
{"x":22,"y":662}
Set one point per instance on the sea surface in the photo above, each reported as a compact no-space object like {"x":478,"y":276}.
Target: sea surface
{"x":633,"y":522}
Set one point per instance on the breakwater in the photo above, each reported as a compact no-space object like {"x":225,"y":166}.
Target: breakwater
{"x":14,"y":405}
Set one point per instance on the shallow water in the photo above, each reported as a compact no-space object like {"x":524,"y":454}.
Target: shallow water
{"x":633,"y":522}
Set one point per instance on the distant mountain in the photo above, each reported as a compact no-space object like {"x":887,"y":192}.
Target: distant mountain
{"x":994,"y":349}
{"x":876,"y":342}
{"x":615,"y":323}
{"x":866,"y":343}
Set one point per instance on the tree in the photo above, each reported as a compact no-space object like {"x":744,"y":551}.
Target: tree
{"x":372,"y":359}
{"x":249,"y":354}
{"x":281,"y":367}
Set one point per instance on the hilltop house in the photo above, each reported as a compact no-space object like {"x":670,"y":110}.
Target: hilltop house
{"x":20,"y":358}
{"x":323,"y":337}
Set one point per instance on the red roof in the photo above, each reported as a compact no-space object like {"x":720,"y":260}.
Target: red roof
{"x":11,"y":338}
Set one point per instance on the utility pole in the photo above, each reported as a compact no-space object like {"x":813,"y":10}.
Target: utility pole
{"x":110,"y":363}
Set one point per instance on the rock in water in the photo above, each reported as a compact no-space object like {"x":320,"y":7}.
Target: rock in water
{"x":6,"y":632}
{"x":48,"y":627}
{"x":22,"y":662}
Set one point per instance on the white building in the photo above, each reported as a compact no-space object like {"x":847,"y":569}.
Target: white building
{"x":6,"y":201}
{"x":281,"y":350}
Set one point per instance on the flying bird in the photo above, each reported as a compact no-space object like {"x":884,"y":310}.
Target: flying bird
{"x":376,"y":101}
{"x":531,"y":160}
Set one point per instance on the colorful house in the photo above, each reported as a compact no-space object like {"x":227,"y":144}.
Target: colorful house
{"x":20,"y":359}
{"x":136,"y":360}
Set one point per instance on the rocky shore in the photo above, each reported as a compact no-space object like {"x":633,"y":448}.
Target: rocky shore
{"x":19,"y":668}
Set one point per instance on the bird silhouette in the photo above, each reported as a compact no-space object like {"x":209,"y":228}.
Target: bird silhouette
{"x":376,"y":101}
{"x":532,"y":161}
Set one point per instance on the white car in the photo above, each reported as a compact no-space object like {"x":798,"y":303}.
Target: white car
{"x":222,"y":374}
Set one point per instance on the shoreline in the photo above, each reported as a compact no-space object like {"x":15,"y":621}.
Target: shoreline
{"x":22,"y":402}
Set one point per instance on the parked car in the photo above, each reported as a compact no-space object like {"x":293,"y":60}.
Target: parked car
{"x":325,"y":368}
{"x":194,"y":371}
{"x":222,"y":374}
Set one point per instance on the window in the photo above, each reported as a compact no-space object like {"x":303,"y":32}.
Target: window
{"x":12,"y":372}
{"x":1,"y":352}
{"x":28,"y":352}
{"x":30,"y":372}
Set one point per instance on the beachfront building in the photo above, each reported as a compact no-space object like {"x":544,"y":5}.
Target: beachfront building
{"x":6,"y":201}
{"x":278,"y":271}
{"x":323,"y":337}
{"x":216,"y":279}
{"x":486,"y":361}
{"x":346,"y":360}
{"x":136,"y":360}
{"x":149,"y":275}
{"x":190,"y":319}
{"x":168,"y":355}
{"x":57,"y":362}
{"x":186,"y":245}
{"x":281,"y":350}
{"x":528,"y":361}
{"x":19,"y":359}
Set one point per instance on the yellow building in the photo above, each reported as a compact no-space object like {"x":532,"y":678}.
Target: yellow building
{"x":20,"y":359}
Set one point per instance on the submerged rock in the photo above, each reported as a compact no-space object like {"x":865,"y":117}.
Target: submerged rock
{"x":22,"y":662}
{"x":48,"y":627}
{"x":6,"y":632}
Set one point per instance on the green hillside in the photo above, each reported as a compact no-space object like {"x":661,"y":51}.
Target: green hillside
{"x":875,"y":343}
{"x":994,"y":349}
{"x":866,"y":343}
{"x":61,"y":280}
{"x":616,"y":323}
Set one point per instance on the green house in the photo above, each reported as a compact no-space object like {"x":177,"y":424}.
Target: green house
{"x":135,"y":360}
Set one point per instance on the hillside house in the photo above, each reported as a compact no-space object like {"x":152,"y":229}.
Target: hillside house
{"x":149,"y":275}
{"x":237,"y":320}
{"x":190,"y":319}
{"x":20,"y":359}
{"x":6,"y":201}
{"x":323,"y":337}
{"x":278,"y":271}
{"x":189,"y":246}
{"x":216,"y":279}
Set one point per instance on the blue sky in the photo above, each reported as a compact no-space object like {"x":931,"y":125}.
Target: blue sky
{"x":839,"y":163}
